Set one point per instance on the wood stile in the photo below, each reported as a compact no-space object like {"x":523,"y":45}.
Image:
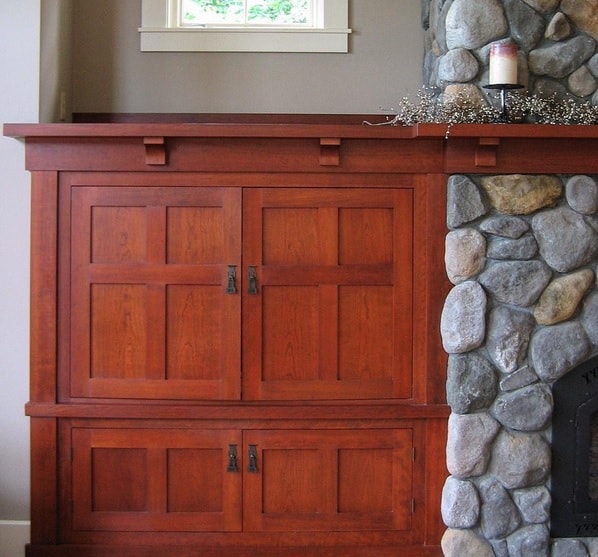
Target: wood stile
{"x":305,"y":417}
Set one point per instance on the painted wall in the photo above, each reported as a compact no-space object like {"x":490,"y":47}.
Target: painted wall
{"x":112,"y":75}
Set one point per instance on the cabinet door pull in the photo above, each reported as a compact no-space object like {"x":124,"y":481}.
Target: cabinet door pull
{"x":232,"y":459}
{"x":231,"y":276}
{"x":252,"y":466}
{"x":252,"y":280}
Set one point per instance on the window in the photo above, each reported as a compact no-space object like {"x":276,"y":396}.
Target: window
{"x":244,"y":26}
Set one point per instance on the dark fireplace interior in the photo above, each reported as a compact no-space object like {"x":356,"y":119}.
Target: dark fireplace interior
{"x":575,"y":453}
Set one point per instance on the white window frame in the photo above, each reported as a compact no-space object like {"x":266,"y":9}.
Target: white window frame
{"x":160,"y":32}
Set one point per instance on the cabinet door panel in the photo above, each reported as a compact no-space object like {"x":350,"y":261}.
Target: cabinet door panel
{"x":333,"y":314}
{"x":151,"y":317}
{"x":337,"y":480}
{"x":165,"y":480}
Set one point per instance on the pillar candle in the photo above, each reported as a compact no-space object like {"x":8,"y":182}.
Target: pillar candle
{"x":503,"y":64}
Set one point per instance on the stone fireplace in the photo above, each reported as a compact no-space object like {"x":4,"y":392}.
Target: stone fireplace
{"x":520,"y":324}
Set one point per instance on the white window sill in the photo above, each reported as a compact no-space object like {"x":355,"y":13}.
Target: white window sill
{"x":243,"y":40}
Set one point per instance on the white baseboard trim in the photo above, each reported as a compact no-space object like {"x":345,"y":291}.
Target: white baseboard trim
{"x":14,"y":534}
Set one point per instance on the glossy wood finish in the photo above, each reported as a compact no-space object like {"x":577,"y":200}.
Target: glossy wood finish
{"x":144,"y":372}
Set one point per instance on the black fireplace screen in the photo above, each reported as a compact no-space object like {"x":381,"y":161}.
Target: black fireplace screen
{"x":574,"y":476}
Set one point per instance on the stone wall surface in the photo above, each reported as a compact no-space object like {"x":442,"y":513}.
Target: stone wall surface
{"x":523,"y":312}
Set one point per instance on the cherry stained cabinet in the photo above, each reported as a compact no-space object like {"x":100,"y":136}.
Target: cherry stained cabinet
{"x":235,"y":344}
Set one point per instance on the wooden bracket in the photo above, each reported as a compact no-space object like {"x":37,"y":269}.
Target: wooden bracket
{"x":155,"y":151}
{"x":330,"y":151}
{"x":486,"y":152}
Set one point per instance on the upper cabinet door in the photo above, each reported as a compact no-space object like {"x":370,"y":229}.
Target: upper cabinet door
{"x":329,"y":313}
{"x":154,"y":292}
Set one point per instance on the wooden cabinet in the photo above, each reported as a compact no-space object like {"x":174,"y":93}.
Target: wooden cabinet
{"x":234,"y":346}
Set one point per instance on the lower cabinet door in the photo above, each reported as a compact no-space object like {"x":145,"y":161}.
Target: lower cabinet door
{"x":328,"y":480}
{"x":160,"y":480}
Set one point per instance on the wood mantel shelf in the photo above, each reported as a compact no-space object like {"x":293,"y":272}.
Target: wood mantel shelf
{"x":328,"y":146}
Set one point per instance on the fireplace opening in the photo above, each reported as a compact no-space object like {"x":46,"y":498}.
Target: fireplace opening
{"x":574,"y":475}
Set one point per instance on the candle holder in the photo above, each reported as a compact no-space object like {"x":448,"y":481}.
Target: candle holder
{"x":504,"y":117}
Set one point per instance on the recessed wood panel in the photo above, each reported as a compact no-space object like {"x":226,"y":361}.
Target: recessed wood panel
{"x":119,"y":234}
{"x":365,"y":236}
{"x":195,"y":235}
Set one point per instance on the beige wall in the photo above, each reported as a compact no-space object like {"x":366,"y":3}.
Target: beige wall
{"x":110,"y":74}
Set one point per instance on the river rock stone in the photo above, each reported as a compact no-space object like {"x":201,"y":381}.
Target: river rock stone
{"x":593,"y":65}
{"x":562,"y":296}
{"x":517,"y":194}
{"x":533,"y":504}
{"x":558,"y":60}
{"x":499,"y":516}
{"x":469,"y":443}
{"x":527,"y":409}
{"x":460,"y":506}
{"x":464,"y":201}
{"x":529,"y":541}
{"x":465,"y":251}
{"x":518,"y":283}
{"x":558,"y":349}
{"x":568,"y":548}
{"x":471,"y":383}
{"x":463,"y":319}
{"x":584,"y":13}
{"x":526,"y":24}
{"x":566,"y":241}
{"x":504,"y":225}
{"x":544,"y":6}
{"x":509,"y":248}
{"x":581,"y":193}
{"x":559,"y":28}
{"x":581,"y":82}
{"x":508,"y":337}
{"x":589,"y":318}
{"x":473,"y":24}
{"x":464,"y":543}
{"x":520,"y":459}
{"x":521,"y":378}
{"x":458,"y":65}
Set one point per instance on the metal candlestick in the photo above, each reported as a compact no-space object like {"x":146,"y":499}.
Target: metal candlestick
{"x":504,"y":117}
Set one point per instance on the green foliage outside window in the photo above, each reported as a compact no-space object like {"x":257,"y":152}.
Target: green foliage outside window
{"x":278,"y":12}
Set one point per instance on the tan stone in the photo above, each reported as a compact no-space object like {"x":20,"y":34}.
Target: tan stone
{"x":562,"y":296}
{"x":545,"y":6}
{"x":459,"y":93}
{"x":464,"y":543}
{"x":584,"y":13}
{"x":465,"y":254}
{"x":559,"y":28}
{"x":518,"y":194}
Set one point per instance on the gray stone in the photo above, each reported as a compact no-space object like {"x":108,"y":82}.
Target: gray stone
{"x":522,"y":194}
{"x":559,"y":28}
{"x":464,"y":201}
{"x":508,"y":337}
{"x":543,"y":6}
{"x":473,"y":24}
{"x":518,"y":283}
{"x":533,"y":504}
{"x":499,"y":516}
{"x":504,"y":225}
{"x":568,"y":548}
{"x":593,"y":65}
{"x":589,"y":318}
{"x":525,"y":23}
{"x":520,"y":460}
{"x":550,"y":88}
{"x":531,"y":541}
{"x":521,"y":378}
{"x":471,"y":383}
{"x":562,"y":297}
{"x":469,"y":443}
{"x":464,"y":543}
{"x":460,"y":505}
{"x":509,"y":248}
{"x":566,"y":241}
{"x":581,"y":82}
{"x":458,"y":65}
{"x":556,"y":350}
{"x":500,"y":548}
{"x":464,"y":254}
{"x":558,"y":60}
{"x":582,"y":194}
{"x":527,"y":409}
{"x":463,"y":319}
